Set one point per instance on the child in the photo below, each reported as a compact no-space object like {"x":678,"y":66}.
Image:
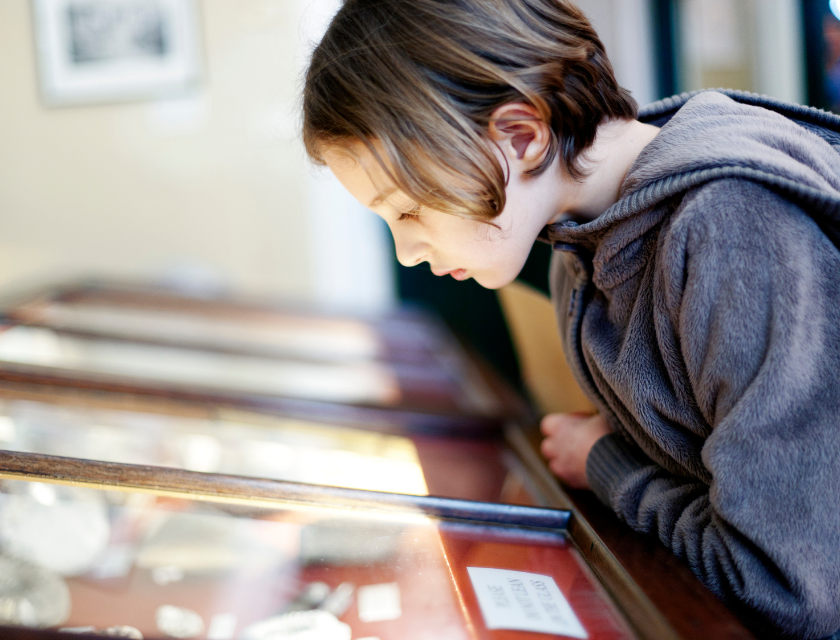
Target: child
{"x":695,"y":277}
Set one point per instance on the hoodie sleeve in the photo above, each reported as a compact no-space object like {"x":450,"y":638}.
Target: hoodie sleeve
{"x":753,"y":302}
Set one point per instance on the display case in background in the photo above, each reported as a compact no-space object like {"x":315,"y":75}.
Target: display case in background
{"x":401,"y":369}
{"x":198,"y":515}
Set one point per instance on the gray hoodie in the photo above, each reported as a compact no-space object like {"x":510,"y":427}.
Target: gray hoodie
{"x":702,"y":315}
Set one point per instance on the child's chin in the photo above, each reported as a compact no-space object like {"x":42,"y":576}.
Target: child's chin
{"x":493,"y":281}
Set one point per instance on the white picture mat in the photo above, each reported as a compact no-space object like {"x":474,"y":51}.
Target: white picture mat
{"x":64,"y":82}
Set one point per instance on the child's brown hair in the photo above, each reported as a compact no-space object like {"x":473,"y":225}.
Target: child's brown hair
{"x":417,"y":81}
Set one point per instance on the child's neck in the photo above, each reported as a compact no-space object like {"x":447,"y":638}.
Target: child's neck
{"x":616,"y":147}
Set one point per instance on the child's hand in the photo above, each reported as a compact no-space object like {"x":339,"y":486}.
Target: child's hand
{"x":569,"y":439}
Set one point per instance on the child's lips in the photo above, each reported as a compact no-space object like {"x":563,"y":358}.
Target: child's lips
{"x":458,"y":274}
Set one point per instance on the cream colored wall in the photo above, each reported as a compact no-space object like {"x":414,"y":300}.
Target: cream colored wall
{"x":215,"y":181}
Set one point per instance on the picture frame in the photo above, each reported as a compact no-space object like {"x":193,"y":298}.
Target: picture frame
{"x":95,"y":51}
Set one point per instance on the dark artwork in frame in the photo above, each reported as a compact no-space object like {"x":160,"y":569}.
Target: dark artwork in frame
{"x":101,"y":30}
{"x":95,"y":51}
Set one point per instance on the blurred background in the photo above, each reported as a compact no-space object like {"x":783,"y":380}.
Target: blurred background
{"x":158,"y":140}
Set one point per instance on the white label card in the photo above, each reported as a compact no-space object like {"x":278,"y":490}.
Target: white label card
{"x":524,"y":602}
{"x":377,"y":602}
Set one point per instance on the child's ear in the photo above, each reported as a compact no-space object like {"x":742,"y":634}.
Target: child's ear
{"x":520,"y":133}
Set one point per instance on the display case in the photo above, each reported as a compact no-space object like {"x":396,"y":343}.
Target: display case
{"x":402,"y":368}
{"x":215,"y":455}
{"x":166,"y":511}
{"x":139,"y":550}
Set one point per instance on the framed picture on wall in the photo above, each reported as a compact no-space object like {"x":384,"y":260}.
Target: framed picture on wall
{"x":93,"y":51}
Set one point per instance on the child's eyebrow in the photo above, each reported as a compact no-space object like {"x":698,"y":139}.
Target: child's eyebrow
{"x":382,"y":197}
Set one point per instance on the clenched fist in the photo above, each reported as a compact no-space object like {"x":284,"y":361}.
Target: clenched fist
{"x":569,"y":437}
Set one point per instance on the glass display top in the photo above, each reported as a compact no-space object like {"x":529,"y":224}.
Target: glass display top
{"x":138,"y":564}
{"x":246,"y":445}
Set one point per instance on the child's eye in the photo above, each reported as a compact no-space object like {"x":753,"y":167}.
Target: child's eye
{"x":410,"y":215}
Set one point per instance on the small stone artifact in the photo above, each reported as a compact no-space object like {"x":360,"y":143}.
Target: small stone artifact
{"x":178,"y":622}
{"x":31,"y":596}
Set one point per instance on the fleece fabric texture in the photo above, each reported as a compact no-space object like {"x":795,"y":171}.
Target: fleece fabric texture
{"x":702,"y":315}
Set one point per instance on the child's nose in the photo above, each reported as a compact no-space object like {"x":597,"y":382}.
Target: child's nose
{"x":410,"y":252}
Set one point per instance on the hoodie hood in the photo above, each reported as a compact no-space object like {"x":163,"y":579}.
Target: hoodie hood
{"x":708,"y":136}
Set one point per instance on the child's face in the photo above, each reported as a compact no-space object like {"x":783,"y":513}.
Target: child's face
{"x":452,"y":245}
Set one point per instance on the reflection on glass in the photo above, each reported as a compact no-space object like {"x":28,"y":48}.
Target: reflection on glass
{"x":343,"y":383}
{"x":279,"y":449}
{"x":88,"y":559}
{"x":309,"y":337}
{"x":153,"y":566}
{"x":435,"y":360}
